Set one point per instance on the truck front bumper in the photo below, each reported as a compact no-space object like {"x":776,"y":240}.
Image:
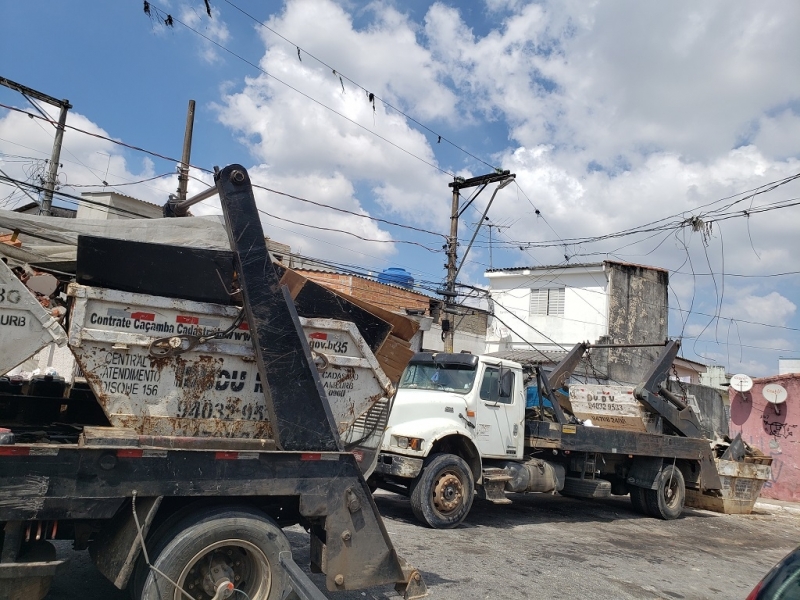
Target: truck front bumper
{"x":397,"y":465}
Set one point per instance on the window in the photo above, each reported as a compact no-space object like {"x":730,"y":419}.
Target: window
{"x":452,"y":378}
{"x":490,"y":386}
{"x":547,"y":302}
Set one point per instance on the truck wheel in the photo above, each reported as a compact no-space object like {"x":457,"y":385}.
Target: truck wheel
{"x":637,"y":499}
{"x":201,"y":552}
{"x":666,"y":501}
{"x":442,"y":494}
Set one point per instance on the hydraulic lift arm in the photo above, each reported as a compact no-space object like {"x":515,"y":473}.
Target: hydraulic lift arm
{"x":652,"y":392}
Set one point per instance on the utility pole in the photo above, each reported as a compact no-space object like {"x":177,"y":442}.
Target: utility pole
{"x":177,"y":205}
{"x":183,"y":172}
{"x":55,"y":157}
{"x":449,"y":292}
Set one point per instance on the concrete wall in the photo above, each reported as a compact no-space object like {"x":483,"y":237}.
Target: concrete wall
{"x":462,"y":341}
{"x":637,"y":314}
{"x":774,"y":433}
{"x":708,"y":403}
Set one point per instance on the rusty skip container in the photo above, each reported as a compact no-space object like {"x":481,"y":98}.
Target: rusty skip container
{"x":204,"y":387}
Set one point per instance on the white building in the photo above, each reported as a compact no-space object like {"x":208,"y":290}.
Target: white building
{"x":554,"y":307}
{"x":113,"y":205}
{"x":547,"y":306}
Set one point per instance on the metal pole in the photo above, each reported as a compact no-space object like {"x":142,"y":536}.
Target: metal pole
{"x":183,"y":172}
{"x":491,"y":262}
{"x":52,"y":175}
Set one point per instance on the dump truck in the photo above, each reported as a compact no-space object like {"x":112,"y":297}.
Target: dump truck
{"x":461,"y":424}
{"x":218,"y":399}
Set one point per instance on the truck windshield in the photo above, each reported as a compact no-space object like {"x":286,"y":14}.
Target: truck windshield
{"x":450,"y":378}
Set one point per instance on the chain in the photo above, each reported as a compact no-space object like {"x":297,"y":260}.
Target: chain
{"x":680,"y":383}
{"x":589,"y":362}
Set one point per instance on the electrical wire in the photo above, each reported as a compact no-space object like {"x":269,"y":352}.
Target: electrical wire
{"x":312,"y":99}
{"x":336,"y":72}
{"x":75,"y":199}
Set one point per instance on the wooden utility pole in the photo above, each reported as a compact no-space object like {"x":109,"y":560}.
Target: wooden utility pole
{"x":449,"y":292}
{"x":55,"y":157}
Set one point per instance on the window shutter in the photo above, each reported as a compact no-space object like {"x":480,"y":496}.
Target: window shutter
{"x":538,"y":302}
{"x":555,"y":302}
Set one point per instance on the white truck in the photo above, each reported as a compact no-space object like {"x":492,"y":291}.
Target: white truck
{"x":460,"y":425}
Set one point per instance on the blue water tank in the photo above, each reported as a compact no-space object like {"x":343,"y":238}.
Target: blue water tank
{"x":396,"y":276}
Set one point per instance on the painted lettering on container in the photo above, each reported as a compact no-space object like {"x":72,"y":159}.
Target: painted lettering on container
{"x":226,"y":411}
{"x":12,"y":321}
{"x":9,"y":296}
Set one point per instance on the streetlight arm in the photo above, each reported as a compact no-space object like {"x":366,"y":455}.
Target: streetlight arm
{"x":503,"y":184}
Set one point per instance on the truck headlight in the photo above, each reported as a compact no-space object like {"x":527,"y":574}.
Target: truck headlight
{"x":404,"y":442}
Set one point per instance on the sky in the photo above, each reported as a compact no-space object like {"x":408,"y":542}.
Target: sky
{"x":663,"y":134}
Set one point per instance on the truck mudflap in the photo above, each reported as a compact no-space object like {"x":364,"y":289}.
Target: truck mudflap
{"x":25,"y":325}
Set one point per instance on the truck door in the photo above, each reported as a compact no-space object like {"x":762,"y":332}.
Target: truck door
{"x":498,"y":430}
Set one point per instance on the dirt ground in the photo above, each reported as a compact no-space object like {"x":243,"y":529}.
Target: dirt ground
{"x":544,"y":546}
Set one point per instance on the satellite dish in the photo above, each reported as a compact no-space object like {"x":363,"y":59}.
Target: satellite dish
{"x":741,"y":383}
{"x":774,"y":393}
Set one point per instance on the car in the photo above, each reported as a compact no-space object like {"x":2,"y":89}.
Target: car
{"x":782,"y":582}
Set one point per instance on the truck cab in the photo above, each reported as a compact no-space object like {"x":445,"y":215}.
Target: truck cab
{"x":454,"y":417}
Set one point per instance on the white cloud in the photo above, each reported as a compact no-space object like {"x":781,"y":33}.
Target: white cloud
{"x":778,"y":135}
{"x":213,"y":28}
{"x":86,"y":160}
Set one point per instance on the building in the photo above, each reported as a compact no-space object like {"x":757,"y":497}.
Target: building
{"x":113,"y":205}
{"x":33,"y":208}
{"x":554,"y":307}
{"x":773,"y":429}
{"x":788,"y":365}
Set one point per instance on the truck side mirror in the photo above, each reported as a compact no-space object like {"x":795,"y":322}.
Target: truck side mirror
{"x":506,"y":384}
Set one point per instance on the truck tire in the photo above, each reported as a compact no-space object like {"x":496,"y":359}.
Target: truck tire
{"x":442,"y":494}
{"x":638,"y":501}
{"x":666,"y":501}
{"x":238,"y":544}
{"x":586,"y":488}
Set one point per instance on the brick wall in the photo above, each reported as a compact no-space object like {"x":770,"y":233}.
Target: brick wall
{"x":389,"y":297}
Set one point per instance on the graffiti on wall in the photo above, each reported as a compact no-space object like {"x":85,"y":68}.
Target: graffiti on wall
{"x":777,"y":429}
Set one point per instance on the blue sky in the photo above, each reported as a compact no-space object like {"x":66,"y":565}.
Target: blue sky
{"x":612,"y":114}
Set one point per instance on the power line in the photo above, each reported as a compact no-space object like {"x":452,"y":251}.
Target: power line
{"x":350,"y":233}
{"x":336,"y":72}
{"x":151,"y":153}
{"x":75,"y":199}
{"x":312,"y":99}
{"x":349,"y":212}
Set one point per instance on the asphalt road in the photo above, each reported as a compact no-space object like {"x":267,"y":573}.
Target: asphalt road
{"x":544,"y":546}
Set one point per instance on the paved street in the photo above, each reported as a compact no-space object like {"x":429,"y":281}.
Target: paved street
{"x":544,"y":546}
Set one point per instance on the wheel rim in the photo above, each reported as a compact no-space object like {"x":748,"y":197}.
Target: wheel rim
{"x":448,"y":493}
{"x":672,"y":493}
{"x":234,"y":560}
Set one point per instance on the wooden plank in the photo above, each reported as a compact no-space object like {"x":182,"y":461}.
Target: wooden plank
{"x":316,"y":301}
{"x":393,"y":356}
{"x":292,"y":280}
{"x":402,"y":326}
